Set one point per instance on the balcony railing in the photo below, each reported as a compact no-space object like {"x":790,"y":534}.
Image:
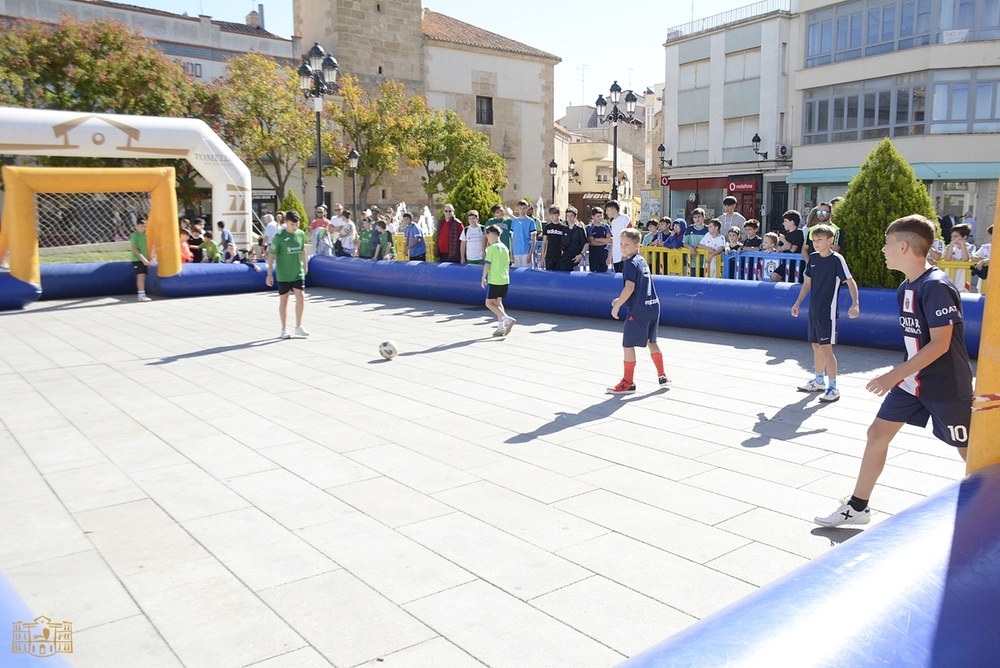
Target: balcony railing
{"x":732,"y":16}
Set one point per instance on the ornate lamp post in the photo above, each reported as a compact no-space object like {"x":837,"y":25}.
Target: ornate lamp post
{"x":614,"y":117}
{"x":318,"y":77}
{"x":553,"y":169}
{"x":353,"y":157}
{"x":756,"y":146}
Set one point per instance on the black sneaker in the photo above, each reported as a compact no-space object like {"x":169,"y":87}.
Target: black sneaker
{"x":664,"y":381}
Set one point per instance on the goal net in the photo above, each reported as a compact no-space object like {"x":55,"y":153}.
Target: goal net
{"x":87,"y":227}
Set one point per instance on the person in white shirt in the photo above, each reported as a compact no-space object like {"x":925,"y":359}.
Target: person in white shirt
{"x":270,"y":229}
{"x":716,"y":244}
{"x":348,"y":234}
{"x":730,"y":218}
{"x":619,"y":221}
{"x":473,"y":240}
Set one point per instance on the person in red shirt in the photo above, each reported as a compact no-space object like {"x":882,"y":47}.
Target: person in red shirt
{"x":186,"y":254}
{"x":320,"y":221}
{"x":449,"y":236}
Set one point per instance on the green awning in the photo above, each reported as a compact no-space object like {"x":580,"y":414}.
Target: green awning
{"x":926,"y":171}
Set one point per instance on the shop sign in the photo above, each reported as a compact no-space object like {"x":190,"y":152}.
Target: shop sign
{"x":742,"y":186}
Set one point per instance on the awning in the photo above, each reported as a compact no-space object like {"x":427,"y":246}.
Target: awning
{"x":926,"y":171}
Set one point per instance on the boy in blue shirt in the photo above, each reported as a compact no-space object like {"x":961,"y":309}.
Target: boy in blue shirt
{"x":522,"y":235}
{"x":598,"y":240}
{"x":643,"y":318}
{"x":415,"y":245}
{"x":825,"y":273}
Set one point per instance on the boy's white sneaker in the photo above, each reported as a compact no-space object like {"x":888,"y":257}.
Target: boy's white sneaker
{"x":831,"y":394}
{"x":844,"y":516}
{"x":508,"y":324}
{"x":812,"y":386}
{"x":301,"y":331}
{"x":285,"y":334}
{"x":144,"y":298}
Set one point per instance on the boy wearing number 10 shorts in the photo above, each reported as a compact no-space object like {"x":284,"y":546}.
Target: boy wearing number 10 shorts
{"x":934,"y":381}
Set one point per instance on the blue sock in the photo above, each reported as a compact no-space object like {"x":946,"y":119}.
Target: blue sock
{"x":833,"y":383}
{"x":820,"y":379}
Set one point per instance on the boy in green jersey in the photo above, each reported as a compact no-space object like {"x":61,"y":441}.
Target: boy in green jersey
{"x":140,"y":258}
{"x":288,"y":252}
{"x":496,"y":274}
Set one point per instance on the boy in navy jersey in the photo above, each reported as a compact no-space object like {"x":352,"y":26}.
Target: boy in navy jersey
{"x":935,"y":380}
{"x":825,"y":272}
{"x":643,"y":317}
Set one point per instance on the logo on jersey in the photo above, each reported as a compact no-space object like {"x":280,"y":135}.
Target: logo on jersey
{"x":911,"y":326}
{"x":945,"y":311}
{"x":907,"y":301}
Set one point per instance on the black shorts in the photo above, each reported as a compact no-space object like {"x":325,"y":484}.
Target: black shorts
{"x":638,"y":332}
{"x":822,"y":331}
{"x":418,"y":258}
{"x":497,"y":291}
{"x":949,"y":419}
{"x":140,"y":268}
{"x":552,"y":264}
{"x":284,"y":287}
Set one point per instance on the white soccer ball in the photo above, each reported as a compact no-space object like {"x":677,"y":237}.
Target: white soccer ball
{"x":387,"y":350}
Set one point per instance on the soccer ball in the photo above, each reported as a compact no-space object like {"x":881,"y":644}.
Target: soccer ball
{"x":387,"y":350}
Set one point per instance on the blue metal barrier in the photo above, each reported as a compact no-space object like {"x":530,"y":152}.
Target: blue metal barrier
{"x":758,"y":266}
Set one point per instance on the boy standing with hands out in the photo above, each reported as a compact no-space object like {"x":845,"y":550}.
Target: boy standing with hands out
{"x":643,"y":317}
{"x":934,"y":382}
{"x":825,"y":273}
{"x":496,"y":274}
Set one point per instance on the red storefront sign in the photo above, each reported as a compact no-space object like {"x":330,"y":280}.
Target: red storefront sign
{"x":742,"y":186}
{"x":664,"y":181}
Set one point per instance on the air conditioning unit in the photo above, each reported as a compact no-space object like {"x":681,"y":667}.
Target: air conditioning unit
{"x":782,"y":151}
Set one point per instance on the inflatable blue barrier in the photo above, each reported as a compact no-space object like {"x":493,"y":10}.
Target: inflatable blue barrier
{"x":204,"y":279}
{"x":92,"y":279}
{"x":17,"y":654}
{"x":920,"y":589}
{"x":16,"y":294}
{"x":743,"y":307}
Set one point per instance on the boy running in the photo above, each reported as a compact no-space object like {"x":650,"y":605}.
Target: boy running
{"x":496,"y":274}
{"x":288,"y":251}
{"x":140,"y":258}
{"x":934,"y":381}
{"x":825,"y":273}
{"x":643,"y":312}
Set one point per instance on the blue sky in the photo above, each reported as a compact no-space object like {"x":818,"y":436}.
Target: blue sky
{"x":577,"y":32}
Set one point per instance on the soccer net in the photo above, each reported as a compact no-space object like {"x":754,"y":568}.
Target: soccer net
{"x":87,"y":227}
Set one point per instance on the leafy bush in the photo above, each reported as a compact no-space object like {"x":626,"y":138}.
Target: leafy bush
{"x":473,"y":192}
{"x":293,"y":203}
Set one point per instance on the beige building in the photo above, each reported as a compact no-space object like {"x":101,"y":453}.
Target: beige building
{"x":593,"y":161}
{"x":501,"y":87}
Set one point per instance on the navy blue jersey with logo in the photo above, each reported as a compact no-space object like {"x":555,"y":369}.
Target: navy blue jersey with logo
{"x":643,"y":304}
{"x":827,"y":274}
{"x":599,"y":254}
{"x":933,"y":301}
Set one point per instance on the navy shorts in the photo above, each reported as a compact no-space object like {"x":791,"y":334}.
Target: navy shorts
{"x":822,"y":331}
{"x":497,"y":291}
{"x":638,"y":332}
{"x":284,"y":287}
{"x":949,"y":419}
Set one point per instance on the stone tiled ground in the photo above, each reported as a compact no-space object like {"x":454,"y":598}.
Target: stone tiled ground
{"x":190,"y":491}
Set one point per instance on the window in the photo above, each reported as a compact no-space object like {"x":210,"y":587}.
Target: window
{"x":604,"y":175}
{"x":695,"y":75}
{"x":869,"y":28}
{"x":819,"y":38}
{"x":692,"y":137}
{"x":739,"y":131}
{"x":743,"y":65}
{"x":484,"y":110}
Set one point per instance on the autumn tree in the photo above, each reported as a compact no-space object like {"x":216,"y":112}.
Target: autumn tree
{"x":380,"y":126}
{"x":261,"y":113}
{"x":447,"y":149}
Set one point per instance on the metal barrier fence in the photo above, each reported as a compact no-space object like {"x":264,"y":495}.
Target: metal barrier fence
{"x":757,"y":266}
{"x":960,"y":273}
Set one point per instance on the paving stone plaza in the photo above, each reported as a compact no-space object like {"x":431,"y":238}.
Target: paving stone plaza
{"x":188,"y":490}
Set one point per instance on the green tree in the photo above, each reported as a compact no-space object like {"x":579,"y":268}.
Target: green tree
{"x":473,"y":191}
{"x":293,"y":203}
{"x":380,"y":126}
{"x":262,"y":114}
{"x":447,"y":149}
{"x":884,"y":189}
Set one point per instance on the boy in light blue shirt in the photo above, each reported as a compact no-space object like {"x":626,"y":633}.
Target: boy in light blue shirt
{"x":522,"y":235}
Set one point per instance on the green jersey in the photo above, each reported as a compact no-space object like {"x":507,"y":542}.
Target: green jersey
{"x":211,"y":250}
{"x":139,"y":240}
{"x":365,"y":243}
{"x":498,"y":257}
{"x":287,"y":248}
{"x":504,"y":225}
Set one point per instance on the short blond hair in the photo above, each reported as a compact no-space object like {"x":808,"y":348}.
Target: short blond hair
{"x":631,"y":234}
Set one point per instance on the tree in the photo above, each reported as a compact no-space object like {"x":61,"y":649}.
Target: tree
{"x":381,"y":127}
{"x":447,"y":149}
{"x":884,"y":189}
{"x":262,"y":114}
{"x":293,"y":203}
{"x":473,"y":191}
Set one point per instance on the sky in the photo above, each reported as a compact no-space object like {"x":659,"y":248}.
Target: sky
{"x":593,"y":54}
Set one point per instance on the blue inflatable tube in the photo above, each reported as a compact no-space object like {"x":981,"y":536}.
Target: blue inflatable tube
{"x":203,"y":279}
{"x":920,"y":589}
{"x":741,"y":307}
{"x":93,"y":279}
{"x":16,"y":294}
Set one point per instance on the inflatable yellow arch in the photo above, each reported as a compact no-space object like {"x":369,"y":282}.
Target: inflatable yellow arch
{"x":19,"y":231}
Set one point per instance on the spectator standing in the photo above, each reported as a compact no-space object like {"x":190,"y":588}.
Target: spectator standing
{"x":730,"y":218}
{"x":320,"y":222}
{"x":715,"y":243}
{"x":365,"y":238}
{"x":692,"y":240}
{"x":820,"y":215}
{"x":788,"y":242}
{"x":971,"y":222}
{"x":473,"y":240}
{"x":138,"y":243}
{"x":348,"y":236}
{"x":522,"y":235}
{"x":619,"y":222}
{"x":675,"y":239}
{"x":752,"y":242}
{"x":448,"y":236}
{"x":598,"y":240}
{"x":415,"y":246}
{"x":498,"y":218}
{"x":575,"y":242}
{"x":288,"y":252}
{"x":324,"y":238}
{"x":948,"y":222}
{"x":382,"y":248}
{"x":553,"y":239}
{"x":225,"y":236}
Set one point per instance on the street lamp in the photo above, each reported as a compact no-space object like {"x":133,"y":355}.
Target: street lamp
{"x":318,"y":77}
{"x":756,"y":146}
{"x":553,"y":168}
{"x":353,"y":158}
{"x":662,"y":150}
{"x":614,"y":117}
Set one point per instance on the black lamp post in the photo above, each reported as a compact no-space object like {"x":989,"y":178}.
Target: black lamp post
{"x":614,"y":117}
{"x":756,"y":146}
{"x":353,"y":158}
{"x":553,"y":168}
{"x":662,"y":150}
{"x":318,"y":77}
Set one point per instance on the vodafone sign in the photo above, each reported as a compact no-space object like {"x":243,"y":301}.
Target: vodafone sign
{"x":742,"y":186}
{"x":664,"y":181}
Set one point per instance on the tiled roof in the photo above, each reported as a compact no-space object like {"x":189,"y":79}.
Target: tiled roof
{"x":223,"y":25}
{"x":243,"y":28}
{"x":446,"y":29}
